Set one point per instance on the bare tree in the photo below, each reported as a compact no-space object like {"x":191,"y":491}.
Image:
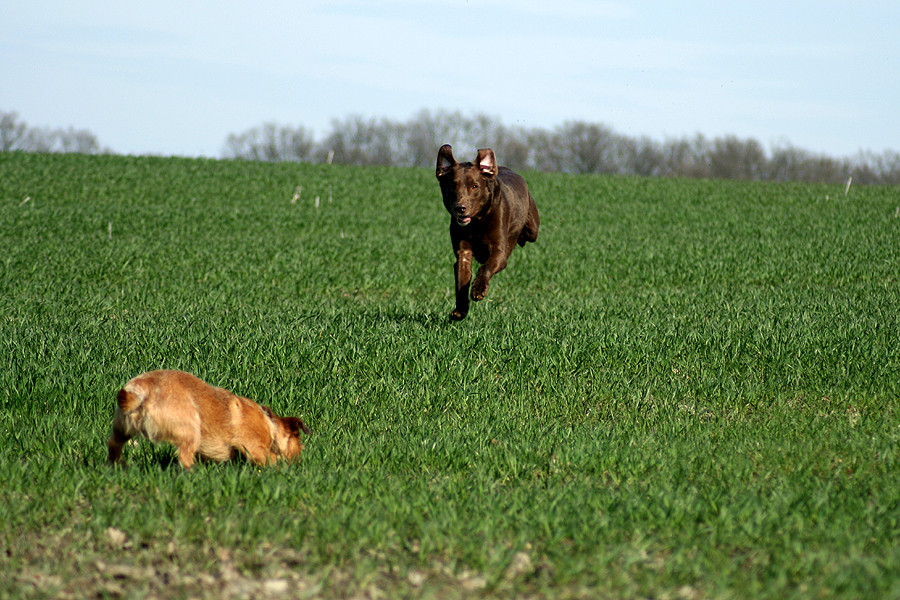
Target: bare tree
{"x":733,"y":158}
{"x":423,"y":134}
{"x":788,"y":163}
{"x":79,"y":141}
{"x":360,"y":141}
{"x":686,"y":157}
{"x":39,"y":139}
{"x":12,"y":131}
{"x":270,"y":142}
{"x":17,"y":135}
{"x":512,"y":149}
{"x":643,"y":156}
{"x":586,"y":147}
{"x":869,"y":167}
{"x":427,"y":131}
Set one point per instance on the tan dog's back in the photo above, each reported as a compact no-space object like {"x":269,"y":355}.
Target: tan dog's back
{"x":177,"y":407}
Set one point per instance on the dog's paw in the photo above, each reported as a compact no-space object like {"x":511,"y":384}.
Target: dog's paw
{"x":479,"y":290}
{"x":457,"y":315}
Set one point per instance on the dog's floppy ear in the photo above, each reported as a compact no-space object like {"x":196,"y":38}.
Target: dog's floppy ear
{"x":445,"y":161}
{"x":486,"y":162}
{"x":295,"y":424}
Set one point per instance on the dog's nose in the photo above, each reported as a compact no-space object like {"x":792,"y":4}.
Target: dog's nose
{"x":460,"y":207}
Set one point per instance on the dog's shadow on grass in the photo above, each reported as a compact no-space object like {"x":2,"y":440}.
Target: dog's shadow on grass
{"x":166,"y":461}
{"x":142,"y":455}
{"x":154,"y":459}
{"x":165,"y":458}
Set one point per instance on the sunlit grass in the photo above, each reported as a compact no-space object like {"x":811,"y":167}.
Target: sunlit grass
{"x":683,"y":389}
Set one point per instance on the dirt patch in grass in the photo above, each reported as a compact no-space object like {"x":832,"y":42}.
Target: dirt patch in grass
{"x":112,"y":566}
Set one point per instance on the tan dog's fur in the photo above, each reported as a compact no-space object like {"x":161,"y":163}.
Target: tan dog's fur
{"x":176,"y":407}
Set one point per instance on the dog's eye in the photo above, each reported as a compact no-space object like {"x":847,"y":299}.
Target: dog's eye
{"x":474,"y":186}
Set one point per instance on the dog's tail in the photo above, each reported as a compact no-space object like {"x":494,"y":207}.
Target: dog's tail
{"x":131,"y":396}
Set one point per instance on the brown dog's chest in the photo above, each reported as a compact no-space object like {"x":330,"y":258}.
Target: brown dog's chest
{"x":474,"y":238}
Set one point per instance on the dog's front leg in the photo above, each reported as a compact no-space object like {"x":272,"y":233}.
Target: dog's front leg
{"x":463,"y":272}
{"x":495,"y":263}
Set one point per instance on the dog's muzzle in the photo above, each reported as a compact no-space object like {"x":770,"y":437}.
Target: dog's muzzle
{"x":459,"y":213}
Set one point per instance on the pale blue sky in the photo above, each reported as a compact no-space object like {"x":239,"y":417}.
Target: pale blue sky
{"x":177,"y":77}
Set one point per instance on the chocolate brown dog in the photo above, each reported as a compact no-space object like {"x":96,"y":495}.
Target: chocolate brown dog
{"x":176,"y":407}
{"x":491,"y":210}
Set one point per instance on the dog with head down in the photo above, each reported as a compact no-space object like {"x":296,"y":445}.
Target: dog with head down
{"x":199,"y":419}
{"x":491,"y":210}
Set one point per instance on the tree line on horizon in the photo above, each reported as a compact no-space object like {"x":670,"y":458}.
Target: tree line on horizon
{"x":573,"y":147}
{"x":15,"y":134}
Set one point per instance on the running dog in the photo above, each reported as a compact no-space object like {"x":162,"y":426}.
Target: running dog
{"x":491,"y":210}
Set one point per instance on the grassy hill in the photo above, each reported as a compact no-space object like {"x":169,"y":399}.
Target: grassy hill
{"x":684,"y":389}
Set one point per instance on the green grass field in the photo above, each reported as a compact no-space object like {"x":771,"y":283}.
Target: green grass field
{"x":685,"y":389}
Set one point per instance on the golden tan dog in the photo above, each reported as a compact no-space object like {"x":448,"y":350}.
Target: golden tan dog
{"x":176,"y":407}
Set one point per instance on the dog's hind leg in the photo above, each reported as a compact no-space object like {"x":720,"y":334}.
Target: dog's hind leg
{"x":530,"y":231}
